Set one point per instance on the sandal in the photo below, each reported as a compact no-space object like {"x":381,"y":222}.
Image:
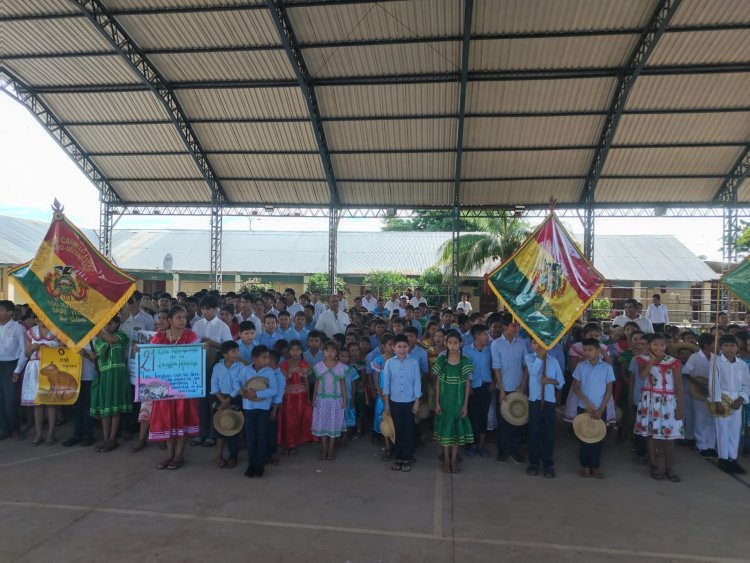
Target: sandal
{"x":446,"y":467}
{"x":231,"y":464}
{"x":656,"y":474}
{"x":164,"y":464}
{"x":671,"y":475}
{"x":584,"y":472}
{"x":37,"y":441}
{"x":398,"y":466}
{"x":139,"y":445}
{"x":387,"y":455}
{"x":221,"y":463}
{"x":322,"y":456}
{"x":455,"y":468}
{"x":50,"y":442}
{"x":197,"y":441}
{"x":100,"y":447}
{"x":406,"y":467}
{"x":175,"y":464}
{"x":209,"y":443}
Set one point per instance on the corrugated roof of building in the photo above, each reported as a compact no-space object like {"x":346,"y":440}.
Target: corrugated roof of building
{"x":631,"y":257}
{"x":226,"y":77}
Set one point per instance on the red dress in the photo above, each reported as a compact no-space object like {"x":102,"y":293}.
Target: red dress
{"x":295,"y":414}
{"x":178,"y":417}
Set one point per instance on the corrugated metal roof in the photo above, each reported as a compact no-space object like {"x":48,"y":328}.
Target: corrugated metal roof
{"x":392,"y":134}
{"x":90,"y":107}
{"x":532,"y":131}
{"x":388,"y":99}
{"x":248,"y":65}
{"x":526,"y":163}
{"x":128,"y":138}
{"x":683,"y":128}
{"x":702,"y":47}
{"x":268,"y":166}
{"x":256,"y":136}
{"x":269,"y":103}
{"x":303,"y":193}
{"x":700,"y":12}
{"x":690,"y":160}
{"x":154,"y":190}
{"x":151,"y":166}
{"x":722,"y":90}
{"x":49,"y":36}
{"x":395,"y":193}
{"x":38,"y":7}
{"x":630,"y":257}
{"x":83,"y":70}
{"x":658,"y":190}
{"x":520,"y":192}
{"x":156,"y":4}
{"x":396,"y":165}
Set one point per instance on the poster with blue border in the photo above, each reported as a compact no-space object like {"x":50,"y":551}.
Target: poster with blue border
{"x":165,"y":372}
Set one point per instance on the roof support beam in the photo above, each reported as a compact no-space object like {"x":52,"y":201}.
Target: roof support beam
{"x":16,"y":89}
{"x":293,"y":51}
{"x":727,"y":191}
{"x":98,"y":15}
{"x":635,"y":66}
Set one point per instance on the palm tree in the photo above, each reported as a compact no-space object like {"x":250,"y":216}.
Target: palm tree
{"x":495,"y":238}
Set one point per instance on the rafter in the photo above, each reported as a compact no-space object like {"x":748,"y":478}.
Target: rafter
{"x":727,"y":192}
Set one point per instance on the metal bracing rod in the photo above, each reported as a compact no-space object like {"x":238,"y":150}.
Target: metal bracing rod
{"x":635,"y":66}
{"x":304,"y":79}
{"x":333,"y":228}
{"x":216,"y":233}
{"x":728,"y":189}
{"x":17,"y":90}
{"x":106,"y":226}
{"x":588,"y":229}
{"x":115,"y":34}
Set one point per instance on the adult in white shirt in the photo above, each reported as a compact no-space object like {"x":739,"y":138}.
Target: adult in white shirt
{"x":657,"y":313}
{"x":142,"y":319}
{"x":333,"y":320}
{"x":393,"y":303}
{"x":631,"y":315}
{"x":417,"y":299}
{"x":464,"y":305}
{"x":12,"y":362}
{"x":369,"y":302}
{"x":317,"y":303}
{"x":246,"y":308}
{"x":343,"y":303}
{"x":292,"y":307}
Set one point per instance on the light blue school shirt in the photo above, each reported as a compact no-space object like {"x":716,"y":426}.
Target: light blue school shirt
{"x":466,"y":339}
{"x":288,"y":334}
{"x":402,"y":380}
{"x":303,"y":337}
{"x":351,"y":376}
{"x":593,"y":380}
{"x":223,"y":378}
{"x":634,"y":369}
{"x":280,"y":386}
{"x":508,"y":357}
{"x":372,"y":354}
{"x":420,"y":354}
{"x":267,"y":340}
{"x":246,"y":351}
{"x":416,"y":324}
{"x":534,"y":365}
{"x":374,"y":342}
{"x":247,"y":373}
{"x":312,"y":360}
{"x":482,"y":361}
{"x":556,"y":351}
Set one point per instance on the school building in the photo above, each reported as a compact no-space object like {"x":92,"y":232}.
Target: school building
{"x":634,"y":265}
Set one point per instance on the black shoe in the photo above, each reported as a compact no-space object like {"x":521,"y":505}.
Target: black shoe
{"x":250,"y":472}
{"x":737,"y":469}
{"x":532,"y":470}
{"x":259,"y":471}
{"x":502,"y":458}
{"x":72,"y":441}
{"x":708,"y":453}
{"x":726,"y":466}
{"x":549,"y":472}
{"x":517,"y":459}
{"x":86,"y":442}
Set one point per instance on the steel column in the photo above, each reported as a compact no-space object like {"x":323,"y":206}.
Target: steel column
{"x":588,"y":228}
{"x":333,"y":228}
{"x":106,"y":225}
{"x":635,"y":66}
{"x":455,"y":248}
{"x":215,"y":245}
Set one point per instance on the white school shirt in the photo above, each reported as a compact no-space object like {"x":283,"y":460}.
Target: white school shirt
{"x":370,"y":304}
{"x":88,"y":368}
{"x":697,"y":365}
{"x":252,"y":318}
{"x":465,"y":307}
{"x":643,"y":323}
{"x":143,"y":320}
{"x":657,"y":315}
{"x":13,"y":344}
{"x":732,"y":378}
{"x":414,"y":302}
{"x":294,"y":308}
{"x":331,"y":323}
{"x":392,"y":304}
{"x":215,"y":329}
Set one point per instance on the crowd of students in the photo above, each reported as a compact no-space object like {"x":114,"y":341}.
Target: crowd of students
{"x":299,"y":371}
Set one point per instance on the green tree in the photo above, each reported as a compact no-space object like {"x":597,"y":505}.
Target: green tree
{"x":383,"y":284}
{"x":426,"y":220}
{"x":495,"y":238}
{"x":743,"y":241}
{"x":319,"y":282}
{"x":255,"y":286}
{"x":433,"y":285}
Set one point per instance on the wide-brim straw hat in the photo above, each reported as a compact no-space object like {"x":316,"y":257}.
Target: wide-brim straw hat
{"x":386,"y":426}
{"x":424,"y":411}
{"x":228,"y":422}
{"x":149,"y":305}
{"x":515,"y":409}
{"x":675,"y":348}
{"x":256,"y":384}
{"x":726,"y":400}
{"x":589,"y":430}
{"x":695,"y":392}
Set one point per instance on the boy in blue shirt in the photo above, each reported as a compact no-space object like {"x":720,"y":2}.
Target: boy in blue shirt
{"x":268,"y":336}
{"x":223,"y":379}
{"x":301,"y":328}
{"x":285,"y":330}
{"x":246,"y":342}
{"x":256,"y":406}
{"x":545,"y":377}
{"x":593,"y":379}
{"x":312,"y":355}
{"x":273,"y":427}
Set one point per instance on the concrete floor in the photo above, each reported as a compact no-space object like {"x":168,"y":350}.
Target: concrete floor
{"x":70,"y":504}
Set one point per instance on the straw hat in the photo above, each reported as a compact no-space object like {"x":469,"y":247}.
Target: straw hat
{"x":674,"y":349}
{"x":149,"y":306}
{"x":726,"y":400}
{"x":424,"y":411}
{"x":515,"y":409}
{"x":386,"y":426}
{"x":256,"y":384}
{"x":228,"y":422}
{"x":695,"y":392}
{"x":589,"y":430}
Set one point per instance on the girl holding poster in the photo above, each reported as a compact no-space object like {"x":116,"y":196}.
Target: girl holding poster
{"x":172,"y":421}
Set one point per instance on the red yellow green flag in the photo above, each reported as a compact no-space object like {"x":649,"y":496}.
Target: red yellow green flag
{"x":547,"y":284}
{"x":738,"y":281}
{"x":70,"y":286}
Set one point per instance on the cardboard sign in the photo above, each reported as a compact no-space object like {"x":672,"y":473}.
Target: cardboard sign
{"x":166,"y":372}
{"x":59,"y":376}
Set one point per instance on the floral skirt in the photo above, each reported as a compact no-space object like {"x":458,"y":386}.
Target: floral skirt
{"x":655,"y":417}
{"x":328,"y":418}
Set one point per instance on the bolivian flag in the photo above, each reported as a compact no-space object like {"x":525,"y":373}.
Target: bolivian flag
{"x":70,"y":286}
{"x":547,"y":284}
{"x":738,"y":281}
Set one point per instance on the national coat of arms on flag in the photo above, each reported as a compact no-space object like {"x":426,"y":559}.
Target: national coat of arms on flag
{"x":70,"y":286}
{"x":547,"y":284}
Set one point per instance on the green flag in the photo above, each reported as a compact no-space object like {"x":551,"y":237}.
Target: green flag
{"x":738,"y":281}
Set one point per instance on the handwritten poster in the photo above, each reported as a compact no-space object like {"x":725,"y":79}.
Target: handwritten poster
{"x":138,"y":337}
{"x":59,"y":376}
{"x":170,"y":372}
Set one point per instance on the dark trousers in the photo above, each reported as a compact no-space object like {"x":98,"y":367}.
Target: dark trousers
{"x":403,"y":423}
{"x":233,"y":442}
{"x":8,"y":399}
{"x":272,"y":444}
{"x":256,"y":436}
{"x":659,"y":327}
{"x":590,"y":454}
{"x":479,"y":407}
{"x":541,"y":433}
{"x":83,"y":424}
{"x":508,"y":436}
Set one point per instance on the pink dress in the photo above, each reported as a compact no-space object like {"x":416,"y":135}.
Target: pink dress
{"x":328,"y":411}
{"x":655,"y":417}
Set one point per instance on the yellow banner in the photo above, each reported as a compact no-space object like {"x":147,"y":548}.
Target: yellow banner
{"x":59,"y":376}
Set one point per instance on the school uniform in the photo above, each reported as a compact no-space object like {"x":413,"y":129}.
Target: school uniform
{"x":508,"y":356}
{"x":294,"y":308}
{"x":12,"y":361}
{"x":593,"y":381}
{"x":542,"y":415}
{"x":223,"y":381}
{"x":733,"y":379}
{"x":267,"y":340}
{"x":699,"y":422}
{"x":634,"y":369}
{"x":273,"y":425}
{"x":370,"y":303}
{"x":303,"y":337}
{"x":215,"y":330}
{"x":256,"y":415}
{"x":320,"y":308}
{"x":312,"y":360}
{"x":246,"y":351}
{"x":481,"y":385}
{"x":402,"y":384}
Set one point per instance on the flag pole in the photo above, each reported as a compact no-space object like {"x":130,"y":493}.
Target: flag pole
{"x":715,"y":362}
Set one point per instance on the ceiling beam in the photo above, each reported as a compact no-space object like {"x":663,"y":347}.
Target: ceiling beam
{"x":114,"y":33}
{"x":727,"y":191}
{"x":656,"y":27}
{"x":305,"y":82}
{"x":17,"y":90}
{"x":466,"y":46}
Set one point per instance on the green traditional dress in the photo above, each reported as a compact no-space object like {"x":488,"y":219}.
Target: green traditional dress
{"x":110,"y":390}
{"x":450,"y":427}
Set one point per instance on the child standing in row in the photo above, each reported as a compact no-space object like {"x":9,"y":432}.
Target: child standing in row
{"x":37,"y":337}
{"x":273,"y":417}
{"x":223,"y":378}
{"x":295,"y":415}
{"x":386,"y":345}
{"x":329,"y":401}
{"x":350,"y":378}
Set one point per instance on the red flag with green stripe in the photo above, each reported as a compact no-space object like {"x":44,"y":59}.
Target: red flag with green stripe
{"x":70,"y":286}
{"x":547,"y":284}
